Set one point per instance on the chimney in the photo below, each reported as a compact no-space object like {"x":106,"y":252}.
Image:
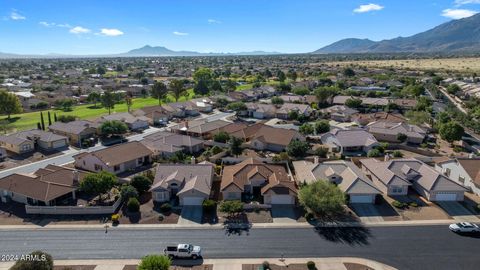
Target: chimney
{"x":386,"y":157}
{"x":315,"y":160}
{"x":76,"y":179}
{"x":186,"y":124}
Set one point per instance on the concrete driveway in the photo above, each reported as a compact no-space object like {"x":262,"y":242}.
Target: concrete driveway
{"x":283,"y":213}
{"x":191,"y":214}
{"x":366,"y":212}
{"x":457,"y":211}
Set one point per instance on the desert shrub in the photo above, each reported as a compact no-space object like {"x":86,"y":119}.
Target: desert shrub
{"x":209,"y":205}
{"x":311,"y":265}
{"x":133,"y":205}
{"x":398,"y":204}
{"x":166,"y":207}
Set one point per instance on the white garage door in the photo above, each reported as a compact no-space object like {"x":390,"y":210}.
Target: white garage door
{"x":282,"y":199}
{"x":361,"y":199}
{"x":193,"y":200}
{"x":446,"y":197}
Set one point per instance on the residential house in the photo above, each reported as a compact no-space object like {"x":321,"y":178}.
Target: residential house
{"x":157,"y":115}
{"x":363,"y":119}
{"x":339,"y":113}
{"x":199,"y":127}
{"x":293,"y":99}
{"x":368,"y":88}
{"x":389,"y":131}
{"x":380,"y":102}
{"x":464,"y":171}
{"x":29,"y":140}
{"x":47,"y":186}
{"x":77,"y":131}
{"x":254,"y":179}
{"x":302,"y":109}
{"x":393,"y":177}
{"x":260,"y":110}
{"x":203,"y":105}
{"x":266,"y":138}
{"x":165,"y":144}
{"x":191,"y":183}
{"x":348,"y":177}
{"x":133,"y":122}
{"x":115,"y":159}
{"x":349,"y":141}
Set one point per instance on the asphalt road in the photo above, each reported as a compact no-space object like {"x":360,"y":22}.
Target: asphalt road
{"x":422,"y":247}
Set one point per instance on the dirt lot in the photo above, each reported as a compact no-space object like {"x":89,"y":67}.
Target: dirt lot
{"x":149,"y":213}
{"x":250,"y":216}
{"x":424,"y":211}
{"x":447,"y":64}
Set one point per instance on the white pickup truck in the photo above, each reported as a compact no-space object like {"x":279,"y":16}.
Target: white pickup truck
{"x":183,"y":251}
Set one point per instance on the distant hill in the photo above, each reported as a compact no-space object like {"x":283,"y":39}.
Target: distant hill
{"x":454,"y":36}
{"x":148,"y":50}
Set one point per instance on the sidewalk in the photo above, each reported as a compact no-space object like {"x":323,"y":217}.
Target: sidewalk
{"x":334,"y":263}
{"x":221,"y":226}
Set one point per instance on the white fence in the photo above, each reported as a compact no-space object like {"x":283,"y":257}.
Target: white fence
{"x":73,"y":210}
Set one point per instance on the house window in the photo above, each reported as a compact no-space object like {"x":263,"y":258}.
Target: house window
{"x":397,"y":189}
{"x":231,"y":195}
{"x":97,"y":167}
{"x":116,"y":168}
{"x":140,"y":160}
{"x":461,"y":179}
{"x":448,"y":171}
{"x":26,"y":147}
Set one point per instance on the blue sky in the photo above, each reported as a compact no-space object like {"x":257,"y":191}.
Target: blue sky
{"x":114,"y":26}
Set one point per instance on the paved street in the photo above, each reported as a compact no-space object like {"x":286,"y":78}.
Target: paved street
{"x":404,"y":247}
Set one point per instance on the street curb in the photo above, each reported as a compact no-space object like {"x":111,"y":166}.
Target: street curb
{"x":221,"y":226}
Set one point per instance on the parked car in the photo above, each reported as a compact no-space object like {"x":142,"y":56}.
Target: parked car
{"x":183,"y":251}
{"x":464,"y":227}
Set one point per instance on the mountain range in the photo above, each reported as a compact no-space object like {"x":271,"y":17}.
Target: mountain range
{"x":457,"y":36}
{"x":162,"y":51}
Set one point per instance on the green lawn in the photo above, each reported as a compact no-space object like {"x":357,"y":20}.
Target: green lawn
{"x":250,"y":85}
{"x":29,"y":120}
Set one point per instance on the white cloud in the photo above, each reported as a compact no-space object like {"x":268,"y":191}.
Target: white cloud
{"x":14,"y":15}
{"x":466,"y":2}
{"x":64,"y":25}
{"x":213,"y":21}
{"x":458,"y":13}
{"x":111,"y":32}
{"x":52,"y":24}
{"x":180,"y":33}
{"x":79,"y":30}
{"x":46,"y":24}
{"x":368,"y":8}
